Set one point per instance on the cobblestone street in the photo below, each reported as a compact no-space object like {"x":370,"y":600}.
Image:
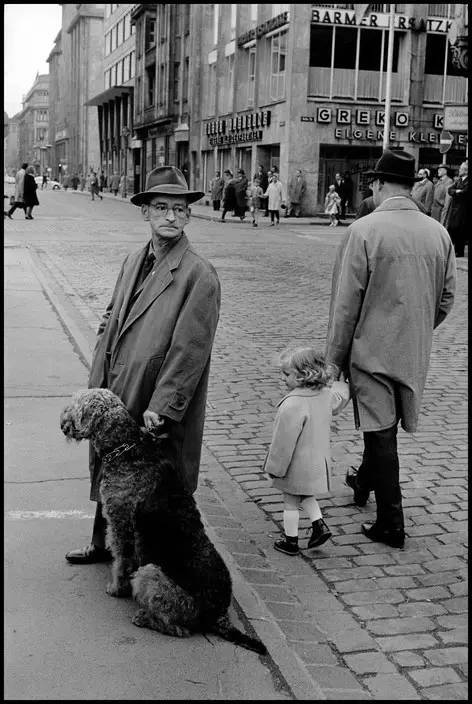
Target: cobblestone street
{"x":367,"y":620}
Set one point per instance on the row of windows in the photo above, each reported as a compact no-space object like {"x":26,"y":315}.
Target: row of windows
{"x":118,"y":34}
{"x":41,"y":115}
{"x":276,"y":9}
{"x":121,"y":72}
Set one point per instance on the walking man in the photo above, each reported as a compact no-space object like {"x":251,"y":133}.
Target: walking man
{"x":154,"y":342}
{"x":216,"y":186}
{"x":393,"y":283}
{"x":440,"y":194}
{"x":19,"y":191}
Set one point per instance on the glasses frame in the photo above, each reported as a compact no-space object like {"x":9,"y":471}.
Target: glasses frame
{"x":163,"y":212}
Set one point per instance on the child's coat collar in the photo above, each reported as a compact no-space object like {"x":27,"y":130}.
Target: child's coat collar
{"x":300,"y":391}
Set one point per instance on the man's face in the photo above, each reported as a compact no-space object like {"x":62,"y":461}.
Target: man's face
{"x":421,"y":173}
{"x":167,"y":215}
{"x":441,"y":172}
{"x":463,"y":169}
{"x":338,"y":177}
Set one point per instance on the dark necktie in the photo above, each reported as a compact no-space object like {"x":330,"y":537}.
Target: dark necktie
{"x":145,"y":269}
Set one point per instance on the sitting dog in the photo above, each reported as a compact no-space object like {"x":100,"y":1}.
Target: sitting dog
{"x":154,"y":526}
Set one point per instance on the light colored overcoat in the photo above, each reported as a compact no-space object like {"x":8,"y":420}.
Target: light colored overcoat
{"x":393,"y":282}
{"x":275,"y":194}
{"x":19,"y":185}
{"x":158,"y":356}
{"x":423,"y":192}
{"x":299,"y":458}
{"x":439,"y":198}
{"x":296,"y":189}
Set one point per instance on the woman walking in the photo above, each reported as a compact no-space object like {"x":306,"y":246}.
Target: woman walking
{"x":332,"y":206}
{"x":275,"y":197}
{"x":94,"y":186}
{"x":30,"y":198}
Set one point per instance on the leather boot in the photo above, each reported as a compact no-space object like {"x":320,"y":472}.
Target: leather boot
{"x":320,"y":534}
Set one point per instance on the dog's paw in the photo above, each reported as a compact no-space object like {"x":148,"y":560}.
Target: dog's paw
{"x":140,"y":619}
{"x":120,"y":591}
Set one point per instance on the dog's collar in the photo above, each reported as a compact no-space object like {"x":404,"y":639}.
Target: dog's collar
{"x":120,"y":450}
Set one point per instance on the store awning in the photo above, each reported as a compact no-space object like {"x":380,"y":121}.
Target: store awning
{"x":110,"y":94}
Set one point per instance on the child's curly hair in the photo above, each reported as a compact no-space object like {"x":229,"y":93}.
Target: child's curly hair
{"x":309,"y":365}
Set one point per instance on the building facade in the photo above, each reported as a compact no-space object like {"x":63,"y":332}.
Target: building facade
{"x":114,"y":103}
{"x":33,"y":123}
{"x":76,"y":70}
{"x":11,"y":153}
{"x":303,"y":86}
{"x":162,"y":87}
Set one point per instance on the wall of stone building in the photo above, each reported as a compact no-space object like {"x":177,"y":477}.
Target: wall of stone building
{"x":94,"y":81}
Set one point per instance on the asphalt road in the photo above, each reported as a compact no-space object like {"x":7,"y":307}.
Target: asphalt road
{"x":380,"y":620}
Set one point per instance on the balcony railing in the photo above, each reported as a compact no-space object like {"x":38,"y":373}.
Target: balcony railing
{"x":344,"y":84}
{"x":456,"y":89}
{"x":442,"y":10}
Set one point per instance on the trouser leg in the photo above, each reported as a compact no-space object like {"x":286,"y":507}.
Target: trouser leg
{"x":380,"y":471}
{"x":99,"y":528}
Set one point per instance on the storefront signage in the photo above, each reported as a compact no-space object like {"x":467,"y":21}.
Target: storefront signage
{"x":379,"y":20}
{"x":456,"y":118}
{"x":263,"y":28}
{"x":225,"y":139}
{"x":307,"y":118}
{"x":344,"y":116}
{"x":414,"y":136}
{"x":251,"y":121}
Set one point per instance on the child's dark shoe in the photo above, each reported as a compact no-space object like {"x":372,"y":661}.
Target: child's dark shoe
{"x":320,"y":534}
{"x":288,"y":545}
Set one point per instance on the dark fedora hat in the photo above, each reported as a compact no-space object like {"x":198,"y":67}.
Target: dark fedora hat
{"x":398,"y":167}
{"x":166,"y":181}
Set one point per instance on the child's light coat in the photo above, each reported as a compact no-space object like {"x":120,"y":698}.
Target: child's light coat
{"x":299,"y":457}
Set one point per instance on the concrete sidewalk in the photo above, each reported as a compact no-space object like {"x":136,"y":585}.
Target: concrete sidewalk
{"x":65,"y":638}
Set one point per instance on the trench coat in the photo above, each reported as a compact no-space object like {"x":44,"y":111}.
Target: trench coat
{"x":157,"y":357}
{"x":456,"y":218}
{"x":393,"y":282}
{"x":439,"y":198}
{"x":275,"y":195}
{"x":216,"y":187}
{"x":423,"y":192}
{"x":19,"y":185}
{"x":296,"y":189}
{"x":299,"y":459}
{"x":30,"y":198}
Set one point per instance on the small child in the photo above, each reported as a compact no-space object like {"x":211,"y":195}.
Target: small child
{"x":254,"y":194}
{"x":299,"y":456}
{"x":332,"y":206}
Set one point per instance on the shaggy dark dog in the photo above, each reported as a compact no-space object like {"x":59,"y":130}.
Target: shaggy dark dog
{"x":181,"y":584}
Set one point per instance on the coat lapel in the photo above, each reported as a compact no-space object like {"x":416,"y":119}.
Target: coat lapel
{"x":128,"y":283}
{"x":155,"y":284}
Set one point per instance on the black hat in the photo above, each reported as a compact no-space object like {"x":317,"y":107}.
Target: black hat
{"x":398,"y":167}
{"x":168,"y":181}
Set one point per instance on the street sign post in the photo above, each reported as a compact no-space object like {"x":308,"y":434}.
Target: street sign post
{"x":445,"y":141}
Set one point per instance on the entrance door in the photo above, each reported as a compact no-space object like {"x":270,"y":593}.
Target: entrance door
{"x":136,"y":170}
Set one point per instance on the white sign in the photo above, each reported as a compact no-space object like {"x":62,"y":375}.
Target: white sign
{"x":378,"y":19}
{"x":456,"y":118}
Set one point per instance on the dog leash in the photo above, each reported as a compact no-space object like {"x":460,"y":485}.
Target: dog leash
{"x":120,"y":450}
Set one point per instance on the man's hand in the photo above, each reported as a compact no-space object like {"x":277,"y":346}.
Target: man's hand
{"x":152,"y":420}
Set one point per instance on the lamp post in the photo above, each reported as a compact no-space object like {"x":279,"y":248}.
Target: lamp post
{"x":388,"y":87}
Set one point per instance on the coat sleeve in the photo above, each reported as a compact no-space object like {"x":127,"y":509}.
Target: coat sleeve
{"x":190,"y":348}
{"x":449,"y":288}
{"x":288,"y":425}
{"x":350,"y":278}
{"x":428,"y":203}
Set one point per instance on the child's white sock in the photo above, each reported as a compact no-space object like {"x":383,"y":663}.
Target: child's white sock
{"x":311,"y":506}
{"x":291,"y":523}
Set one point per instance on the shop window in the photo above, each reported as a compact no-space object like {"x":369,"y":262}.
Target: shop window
{"x":251,"y":76}
{"x":396,"y":47}
{"x":277,"y":63}
{"x":150,"y":81}
{"x":150,"y":40}
{"x":345,"y":48}
{"x":370,"y":50}
{"x":321,"y":39}
{"x":185,"y":79}
{"x":176,"y":79}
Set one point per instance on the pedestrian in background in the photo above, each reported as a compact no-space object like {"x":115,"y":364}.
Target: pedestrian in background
{"x":393,"y":282}
{"x":456,"y":216}
{"x":423,"y":191}
{"x":254,"y":193}
{"x":440,"y":193}
{"x":103,"y":181}
{"x":229,"y":198}
{"x":296,"y":191}
{"x":264,"y":182}
{"x":333,"y":205}
{"x":44,"y":183}
{"x":18,"y":198}
{"x":115,"y":183}
{"x":340,"y":188}
{"x":275,"y":197}
{"x":95,"y":186}
{"x":75,"y":181}
{"x":123,"y":185}
{"x":348,"y":191}
{"x":155,"y":340}
{"x":83,"y":182}
{"x":30,"y":197}
{"x":240,"y":188}
{"x":65,"y":182}
{"x":299,"y":457}
{"x":216,"y":189}
{"x":366,"y":205}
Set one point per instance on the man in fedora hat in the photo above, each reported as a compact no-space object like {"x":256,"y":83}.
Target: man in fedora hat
{"x":154,"y":342}
{"x":393,"y":283}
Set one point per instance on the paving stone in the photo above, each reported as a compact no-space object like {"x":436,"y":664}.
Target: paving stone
{"x":446,"y":656}
{"x":398,"y":570}
{"x":434,"y":676}
{"x":375,"y":611}
{"x":388,"y":626}
{"x":444,"y":564}
{"x":421,"y":608}
{"x":422,"y":594}
{"x":411,"y":641}
{"x":380,"y":596}
{"x":367,"y":663}
{"x":313,"y":653}
{"x":287,"y":611}
{"x":346,"y":694}
{"x":460,"y":588}
{"x":457,"y":605}
{"x":452,"y":621}
{"x":329,"y":675}
{"x":429,"y":580}
{"x":381,"y":560}
{"x":407,"y":658}
{"x":383,"y":687}
{"x":298,"y":630}
{"x":448,"y":692}
{"x":353,"y":639}
{"x":261,"y":576}
{"x":457,"y":635}
{"x":271,"y":593}
{"x":352,"y":573}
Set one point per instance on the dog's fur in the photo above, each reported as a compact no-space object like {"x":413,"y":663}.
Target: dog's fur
{"x":181,"y":584}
